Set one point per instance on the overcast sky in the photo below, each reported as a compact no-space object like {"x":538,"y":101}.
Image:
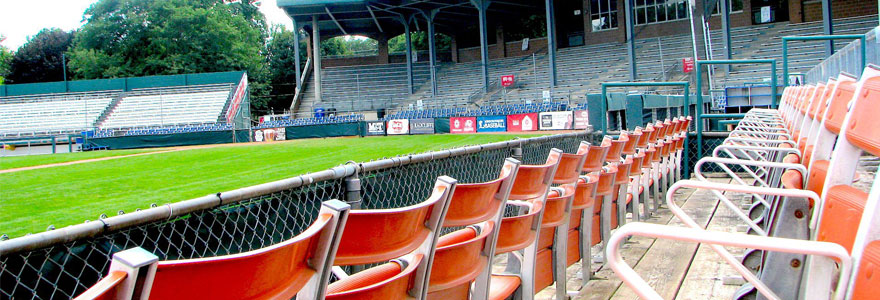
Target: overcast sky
{"x":24,"y":18}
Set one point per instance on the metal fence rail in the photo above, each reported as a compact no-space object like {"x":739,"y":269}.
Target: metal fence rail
{"x":63,"y":263}
{"x":848,"y":59}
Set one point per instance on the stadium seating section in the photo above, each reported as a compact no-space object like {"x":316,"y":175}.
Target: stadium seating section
{"x":580,"y":70}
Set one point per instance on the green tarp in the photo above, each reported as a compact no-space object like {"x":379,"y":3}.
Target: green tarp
{"x":165,"y":140}
{"x":322,"y":131}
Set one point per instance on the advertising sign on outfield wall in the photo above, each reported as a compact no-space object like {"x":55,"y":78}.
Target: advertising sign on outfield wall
{"x":522,"y":122}
{"x":556,"y":120}
{"x":397,"y":126}
{"x":462,"y":125}
{"x":581,"y":119}
{"x":375,"y":128}
{"x":421,"y":126}
{"x":269,"y":134}
{"x":492,"y":124}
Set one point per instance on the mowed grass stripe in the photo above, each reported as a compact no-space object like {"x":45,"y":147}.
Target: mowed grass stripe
{"x":31,"y":200}
{"x":14,"y":162}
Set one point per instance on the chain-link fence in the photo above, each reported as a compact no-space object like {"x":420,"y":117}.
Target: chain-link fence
{"x":63,"y":263}
{"x":847,"y":59}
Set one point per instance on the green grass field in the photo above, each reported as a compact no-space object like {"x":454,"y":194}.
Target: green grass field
{"x":13,"y":162}
{"x":31,"y":200}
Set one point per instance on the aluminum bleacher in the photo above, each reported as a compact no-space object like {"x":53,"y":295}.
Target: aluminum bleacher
{"x":168,"y":106}
{"x":52,"y":114}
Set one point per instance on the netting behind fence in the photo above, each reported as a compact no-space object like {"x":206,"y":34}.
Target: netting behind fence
{"x":64,"y":270}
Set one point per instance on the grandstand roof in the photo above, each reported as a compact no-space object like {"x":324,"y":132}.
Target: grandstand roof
{"x":371,"y":18}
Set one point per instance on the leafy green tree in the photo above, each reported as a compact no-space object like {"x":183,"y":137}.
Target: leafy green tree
{"x":420,"y":42}
{"x":40,"y":59}
{"x":281,"y":60}
{"x":160,"y":37}
{"x":5,"y":60}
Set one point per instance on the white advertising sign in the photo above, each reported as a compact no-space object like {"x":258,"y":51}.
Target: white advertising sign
{"x":556,"y":120}
{"x":397,"y":126}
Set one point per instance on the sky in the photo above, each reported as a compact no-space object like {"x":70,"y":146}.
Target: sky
{"x":21,"y":19}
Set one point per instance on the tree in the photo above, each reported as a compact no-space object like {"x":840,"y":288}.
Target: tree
{"x":159,"y":37}
{"x":281,"y":60}
{"x":5,"y":60}
{"x":40,"y":58}
{"x":420,"y":42}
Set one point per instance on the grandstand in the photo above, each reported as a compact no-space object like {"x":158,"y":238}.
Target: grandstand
{"x":580,"y":69}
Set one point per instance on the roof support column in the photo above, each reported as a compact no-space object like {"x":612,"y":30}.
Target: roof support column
{"x":316,"y":57}
{"x":630,"y":39}
{"x":296,"y":53}
{"x":482,"y":7}
{"x":432,"y":50}
{"x":725,"y":32}
{"x":409,"y":66}
{"x":551,"y":40}
{"x":827,"y":26}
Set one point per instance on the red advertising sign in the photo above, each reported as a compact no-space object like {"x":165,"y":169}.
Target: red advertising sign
{"x":687,"y":64}
{"x":522,"y":122}
{"x":507,"y":80}
{"x":463,"y":125}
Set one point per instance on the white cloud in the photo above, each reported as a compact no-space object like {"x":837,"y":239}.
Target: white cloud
{"x":21,"y":19}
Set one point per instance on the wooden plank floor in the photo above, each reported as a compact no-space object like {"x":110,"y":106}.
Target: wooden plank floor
{"x":674,"y":269}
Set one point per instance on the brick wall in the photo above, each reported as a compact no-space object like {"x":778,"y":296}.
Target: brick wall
{"x":812,"y":9}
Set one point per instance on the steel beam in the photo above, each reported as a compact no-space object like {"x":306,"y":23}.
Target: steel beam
{"x":378,"y":26}
{"x":827,"y":27}
{"x":630,"y":39}
{"x":335,"y":21}
{"x":551,"y":40}
{"x":482,"y":6}
{"x":409,"y":64}
{"x":725,"y":32}
{"x":432,"y":49}
{"x":316,"y":57}
{"x":296,"y":53}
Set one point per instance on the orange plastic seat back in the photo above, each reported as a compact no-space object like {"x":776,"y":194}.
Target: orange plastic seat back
{"x":841,"y":215}
{"x":584,"y":194}
{"x":458,"y":260}
{"x":386,"y":281}
{"x":518,"y":232}
{"x":820,"y":101}
{"x":864,"y":126}
{"x":277,"y":271}
{"x":652,"y":133}
{"x":473,"y":203}
{"x":606,"y":180}
{"x":637,"y":163}
{"x":616,"y":148}
{"x":643,"y":138}
{"x":570,"y":165}
{"x":866,"y":284}
{"x":630,"y":147}
{"x":107,"y":289}
{"x":532,"y":181}
{"x":596,"y":156}
{"x":556,"y":205}
{"x":652,"y":154}
{"x":837,"y":109}
{"x":623,"y":169}
{"x":377,"y":235}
